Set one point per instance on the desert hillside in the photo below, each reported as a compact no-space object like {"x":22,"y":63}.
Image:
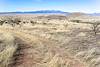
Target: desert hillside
{"x":49,"y":41}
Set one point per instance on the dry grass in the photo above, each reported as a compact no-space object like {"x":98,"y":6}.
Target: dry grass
{"x":91,"y":57}
{"x":7,"y":48}
{"x":49,"y":42}
{"x":51,"y":59}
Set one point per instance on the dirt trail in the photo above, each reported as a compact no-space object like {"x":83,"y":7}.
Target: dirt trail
{"x":27,"y":55}
{"x":24,"y":55}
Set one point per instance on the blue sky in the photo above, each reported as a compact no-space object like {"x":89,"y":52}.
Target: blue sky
{"x":88,"y":6}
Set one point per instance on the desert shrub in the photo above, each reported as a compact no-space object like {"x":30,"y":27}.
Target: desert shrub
{"x":2,"y":22}
{"x":95,"y":27}
{"x":78,"y":21}
{"x":24,"y":22}
{"x":17,"y":20}
{"x":44,"y":23}
{"x":12,"y":20}
{"x":33,"y":22}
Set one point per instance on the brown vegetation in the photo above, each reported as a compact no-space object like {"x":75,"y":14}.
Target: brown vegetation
{"x":48,"y":41}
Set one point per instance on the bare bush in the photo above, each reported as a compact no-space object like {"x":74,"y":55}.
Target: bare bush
{"x":95,"y":27}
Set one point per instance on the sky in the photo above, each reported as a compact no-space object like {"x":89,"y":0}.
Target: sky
{"x":87,"y":6}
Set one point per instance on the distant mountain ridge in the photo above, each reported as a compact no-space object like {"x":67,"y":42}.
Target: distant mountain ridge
{"x":35,"y":12}
{"x":51,"y":12}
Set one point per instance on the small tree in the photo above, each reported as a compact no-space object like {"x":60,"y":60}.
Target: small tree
{"x":95,"y":27}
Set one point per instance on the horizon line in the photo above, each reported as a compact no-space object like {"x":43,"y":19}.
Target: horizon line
{"x":48,"y":10}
